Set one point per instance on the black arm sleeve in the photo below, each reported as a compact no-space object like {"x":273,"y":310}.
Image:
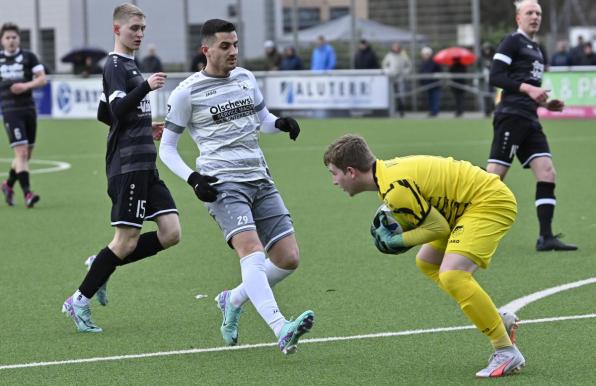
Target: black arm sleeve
{"x":103,"y":113}
{"x":121,"y":106}
{"x":500,"y":78}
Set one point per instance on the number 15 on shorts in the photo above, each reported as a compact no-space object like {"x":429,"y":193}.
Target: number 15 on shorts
{"x":141,"y":208}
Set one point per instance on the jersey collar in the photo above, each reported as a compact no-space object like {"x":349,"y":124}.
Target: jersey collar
{"x":18,"y":51}
{"x":123,"y":55}
{"x":519,"y":31}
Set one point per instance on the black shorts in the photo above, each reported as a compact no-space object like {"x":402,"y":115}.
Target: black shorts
{"x":21,"y":127}
{"x":139,"y":196}
{"x":517,"y":136}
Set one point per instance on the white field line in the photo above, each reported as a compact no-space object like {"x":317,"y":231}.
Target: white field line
{"x":518,"y":304}
{"x":260,"y":345}
{"x":56,"y":166}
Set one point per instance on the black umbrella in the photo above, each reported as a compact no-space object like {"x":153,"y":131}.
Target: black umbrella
{"x":78,"y":55}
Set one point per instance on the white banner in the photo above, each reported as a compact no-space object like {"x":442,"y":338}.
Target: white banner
{"x":77,"y":98}
{"x":327,"y":92}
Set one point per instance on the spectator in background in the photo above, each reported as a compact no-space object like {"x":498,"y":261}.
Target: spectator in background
{"x":90,"y":67}
{"x":561,"y":57}
{"x":323,"y":56}
{"x":428,"y":67}
{"x":365,"y":58}
{"x":577,"y":52}
{"x":291,"y":61}
{"x":458,"y":93}
{"x":488,"y":51}
{"x":272,"y":57}
{"x":588,"y":58}
{"x":151,"y":63}
{"x":397,"y":65}
{"x":199,"y":61}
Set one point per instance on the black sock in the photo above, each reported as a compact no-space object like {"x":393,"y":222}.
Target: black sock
{"x":12,"y":177}
{"x":148,"y":245}
{"x":545,"y":206}
{"x":104,"y":265}
{"x":23,"y":178}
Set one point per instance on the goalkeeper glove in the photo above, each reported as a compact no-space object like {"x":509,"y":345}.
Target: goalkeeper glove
{"x":288,"y":125}
{"x":202,"y":186}
{"x":387,"y":242}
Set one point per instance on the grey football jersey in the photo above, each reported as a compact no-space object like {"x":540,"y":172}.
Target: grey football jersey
{"x":221,"y":115}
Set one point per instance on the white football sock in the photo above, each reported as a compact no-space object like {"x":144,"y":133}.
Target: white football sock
{"x":274,"y":274}
{"x":257,"y":288}
{"x":79,"y":299}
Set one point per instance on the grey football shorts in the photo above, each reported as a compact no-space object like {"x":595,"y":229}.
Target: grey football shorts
{"x":250,"y":206}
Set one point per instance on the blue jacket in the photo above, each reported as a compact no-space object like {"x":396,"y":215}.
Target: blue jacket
{"x":323,"y":58}
{"x":291,"y":63}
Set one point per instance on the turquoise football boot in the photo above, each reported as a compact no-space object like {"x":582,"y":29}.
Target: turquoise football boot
{"x":293,"y":330}
{"x":81,"y":316}
{"x":231,"y":316}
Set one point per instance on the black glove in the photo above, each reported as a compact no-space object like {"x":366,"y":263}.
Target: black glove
{"x":202,"y":186}
{"x":289,"y":125}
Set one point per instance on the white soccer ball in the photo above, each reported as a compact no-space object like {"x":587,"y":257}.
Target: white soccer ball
{"x":384,"y":216}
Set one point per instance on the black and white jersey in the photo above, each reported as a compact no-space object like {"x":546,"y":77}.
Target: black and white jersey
{"x":16,"y":68}
{"x":130,"y":140}
{"x":517,"y":60}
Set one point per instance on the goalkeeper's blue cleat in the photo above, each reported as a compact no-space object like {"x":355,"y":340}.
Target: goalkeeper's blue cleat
{"x":81,"y":316}
{"x":293,"y":330}
{"x":102,"y":293}
{"x":231,"y":316}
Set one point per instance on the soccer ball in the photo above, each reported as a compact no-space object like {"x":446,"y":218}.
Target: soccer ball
{"x":384,"y":218}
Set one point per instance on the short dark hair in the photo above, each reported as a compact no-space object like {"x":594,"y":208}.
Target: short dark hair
{"x":9,"y":27}
{"x":213,"y":26}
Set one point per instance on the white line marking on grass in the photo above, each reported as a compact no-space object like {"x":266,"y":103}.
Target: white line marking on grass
{"x":56,"y":166}
{"x":261,"y":345}
{"x":513,"y":306}
{"x":518,"y":304}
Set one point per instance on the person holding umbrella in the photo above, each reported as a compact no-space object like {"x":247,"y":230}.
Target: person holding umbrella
{"x":517,"y":68}
{"x":20,"y":73}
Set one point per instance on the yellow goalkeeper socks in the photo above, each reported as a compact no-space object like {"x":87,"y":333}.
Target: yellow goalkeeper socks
{"x":477,"y":305}
{"x":430,"y":270}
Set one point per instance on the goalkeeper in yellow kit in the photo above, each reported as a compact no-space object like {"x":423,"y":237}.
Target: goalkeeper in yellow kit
{"x":457,"y":211}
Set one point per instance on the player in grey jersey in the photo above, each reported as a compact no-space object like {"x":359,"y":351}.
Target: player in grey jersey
{"x":224,"y":111}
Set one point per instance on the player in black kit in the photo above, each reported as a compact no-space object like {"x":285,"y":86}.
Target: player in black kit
{"x":20,"y":73}
{"x":134,"y":186}
{"x":517,"y":68}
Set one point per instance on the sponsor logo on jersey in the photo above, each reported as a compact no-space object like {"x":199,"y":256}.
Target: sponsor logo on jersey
{"x":232,"y":110}
{"x":144,"y":106}
{"x":12,"y":71}
{"x":210,"y":92}
{"x":537,"y":70}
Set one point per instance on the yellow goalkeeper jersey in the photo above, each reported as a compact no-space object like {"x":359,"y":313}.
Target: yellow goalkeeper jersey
{"x":410,"y":185}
